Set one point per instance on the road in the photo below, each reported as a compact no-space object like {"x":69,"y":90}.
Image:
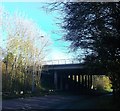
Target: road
{"x":58,"y":102}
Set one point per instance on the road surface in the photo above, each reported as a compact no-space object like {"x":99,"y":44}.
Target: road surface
{"x":58,"y":102}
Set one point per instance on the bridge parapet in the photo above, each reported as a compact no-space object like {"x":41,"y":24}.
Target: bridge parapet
{"x":62,"y":61}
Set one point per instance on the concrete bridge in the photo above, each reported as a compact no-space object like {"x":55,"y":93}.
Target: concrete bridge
{"x":68,"y":75}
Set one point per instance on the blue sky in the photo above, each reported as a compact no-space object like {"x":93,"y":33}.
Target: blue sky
{"x":46,"y":21}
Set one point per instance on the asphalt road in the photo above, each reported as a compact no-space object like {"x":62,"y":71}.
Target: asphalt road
{"x":55,"y":102}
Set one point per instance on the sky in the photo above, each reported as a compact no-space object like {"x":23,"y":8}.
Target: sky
{"x":47,"y":22}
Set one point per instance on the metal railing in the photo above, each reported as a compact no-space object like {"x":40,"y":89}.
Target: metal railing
{"x":62,"y":61}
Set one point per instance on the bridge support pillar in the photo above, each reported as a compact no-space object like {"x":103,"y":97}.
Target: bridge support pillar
{"x":91,"y":81}
{"x":82,"y":79}
{"x":55,"y":80}
{"x":79,"y":79}
{"x":85,"y":80}
{"x":75,"y":81}
{"x":61,"y":83}
{"x":70,"y":82}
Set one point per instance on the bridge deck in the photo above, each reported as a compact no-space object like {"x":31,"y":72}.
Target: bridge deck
{"x":80,"y":68}
{"x":64,"y":66}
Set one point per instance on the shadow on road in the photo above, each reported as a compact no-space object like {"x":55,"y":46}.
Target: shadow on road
{"x":61,"y":100}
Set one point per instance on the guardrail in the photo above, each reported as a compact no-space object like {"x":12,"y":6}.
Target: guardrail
{"x":62,"y":61}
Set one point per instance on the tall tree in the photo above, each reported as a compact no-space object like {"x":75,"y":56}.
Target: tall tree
{"x":28,"y":44}
{"x":94,"y":27}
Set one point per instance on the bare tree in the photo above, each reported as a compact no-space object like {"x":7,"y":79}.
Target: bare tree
{"x":28,"y":44}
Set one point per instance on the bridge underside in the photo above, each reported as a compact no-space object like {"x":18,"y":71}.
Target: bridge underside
{"x":68,"y":79}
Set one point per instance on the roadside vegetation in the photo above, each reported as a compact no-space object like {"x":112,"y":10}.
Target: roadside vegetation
{"x":23,"y":55}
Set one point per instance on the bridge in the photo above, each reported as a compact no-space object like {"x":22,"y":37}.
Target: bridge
{"x":69,"y":74}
